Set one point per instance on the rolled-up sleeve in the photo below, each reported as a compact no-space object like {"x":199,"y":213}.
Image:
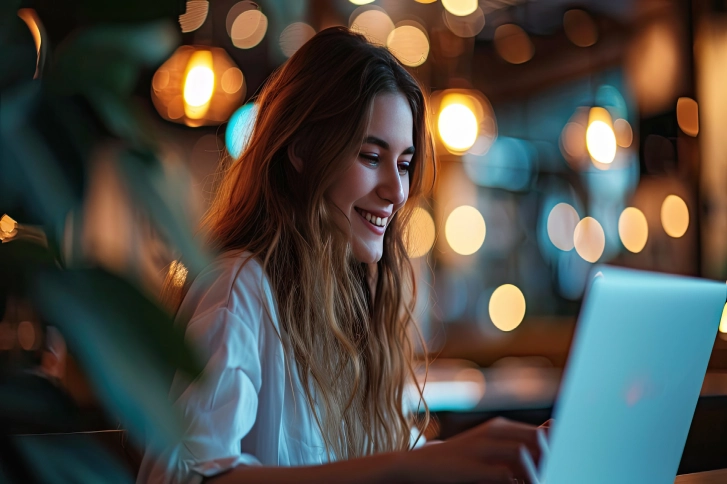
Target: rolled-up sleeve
{"x":219,"y":408}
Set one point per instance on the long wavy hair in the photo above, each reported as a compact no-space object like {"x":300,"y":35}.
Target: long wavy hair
{"x":354,"y":347}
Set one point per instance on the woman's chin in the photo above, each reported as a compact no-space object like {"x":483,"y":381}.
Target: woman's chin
{"x":366,"y":253}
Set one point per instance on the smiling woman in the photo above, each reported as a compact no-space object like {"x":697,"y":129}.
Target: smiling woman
{"x":306,"y":316}
{"x":373,"y":189}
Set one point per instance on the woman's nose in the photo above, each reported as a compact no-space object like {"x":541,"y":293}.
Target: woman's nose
{"x":390,"y":185}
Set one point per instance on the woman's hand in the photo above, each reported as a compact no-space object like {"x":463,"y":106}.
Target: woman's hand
{"x":488,"y":453}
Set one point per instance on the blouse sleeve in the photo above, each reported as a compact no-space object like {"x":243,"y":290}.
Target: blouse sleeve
{"x":219,"y":408}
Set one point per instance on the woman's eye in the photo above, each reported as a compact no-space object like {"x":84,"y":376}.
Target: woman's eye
{"x":371,"y":159}
{"x":404,"y":168}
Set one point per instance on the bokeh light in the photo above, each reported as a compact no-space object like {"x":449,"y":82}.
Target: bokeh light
{"x":688,"y":115}
{"x":26,"y":335}
{"x":723,"y":320}
{"x":458,"y":127}
{"x":194,"y":15}
{"x":573,"y":142}
{"x":580,"y":28}
{"x":239,"y":129}
{"x":472,"y":132}
{"x":507,"y":307}
{"x":465,"y":230}
{"x":633,"y":229}
{"x":600,"y":138}
{"x":624,"y":133}
{"x":409,"y":44}
{"x":31,"y":19}
{"x":513,"y":44}
{"x":294,"y":36}
{"x":589,"y":239}
{"x":674,"y":216}
{"x":232,"y":80}
{"x":562,"y":222}
{"x":177,"y":273}
{"x":373,"y":23}
{"x":235,"y":12}
{"x":653,"y":65}
{"x":460,"y":8}
{"x":199,"y":84}
{"x":360,"y":2}
{"x":420,"y":233}
{"x":509,"y":163}
{"x":8,"y":227}
{"x":467,"y":26}
{"x":248,"y":29}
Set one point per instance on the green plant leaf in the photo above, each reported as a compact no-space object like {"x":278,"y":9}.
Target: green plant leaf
{"x":29,"y":164}
{"x":129,"y":10}
{"x":35,"y":405}
{"x":127,"y":344}
{"x":109,"y":56}
{"x":122,"y":119}
{"x":62,"y":458}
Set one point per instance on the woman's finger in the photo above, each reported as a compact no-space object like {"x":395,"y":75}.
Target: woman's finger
{"x":510,"y":455}
{"x":529,"y":465}
{"x":501,"y":429}
{"x":544,"y":445}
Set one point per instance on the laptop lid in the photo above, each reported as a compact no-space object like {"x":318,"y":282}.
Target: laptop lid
{"x":633,"y":377}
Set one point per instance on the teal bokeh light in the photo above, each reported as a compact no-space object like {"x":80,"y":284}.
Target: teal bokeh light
{"x":239,"y":129}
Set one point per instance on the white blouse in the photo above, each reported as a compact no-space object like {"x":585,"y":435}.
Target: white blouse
{"x":249,"y":407}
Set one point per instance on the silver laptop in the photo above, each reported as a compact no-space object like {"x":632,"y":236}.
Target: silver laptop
{"x":633,"y":378}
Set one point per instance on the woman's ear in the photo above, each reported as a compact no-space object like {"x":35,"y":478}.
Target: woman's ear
{"x":295,"y":160}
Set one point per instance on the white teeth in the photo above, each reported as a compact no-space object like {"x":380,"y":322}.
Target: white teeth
{"x":378,"y":221}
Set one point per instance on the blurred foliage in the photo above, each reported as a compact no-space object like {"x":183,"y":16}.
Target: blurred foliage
{"x":52,"y":130}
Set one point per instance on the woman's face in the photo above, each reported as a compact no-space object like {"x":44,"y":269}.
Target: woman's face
{"x":376,"y":185}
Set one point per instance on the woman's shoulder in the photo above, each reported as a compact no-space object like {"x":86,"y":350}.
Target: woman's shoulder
{"x":234,"y":281}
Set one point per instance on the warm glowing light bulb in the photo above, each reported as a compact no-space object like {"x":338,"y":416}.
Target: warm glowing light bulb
{"x":458,"y":127}
{"x":199,"y":84}
{"x":420,"y":233}
{"x":507,"y":307}
{"x":600,"y":138}
{"x":633,"y":229}
{"x":465,"y":230}
{"x":562,"y":222}
{"x":674,"y":216}
{"x":589,"y":239}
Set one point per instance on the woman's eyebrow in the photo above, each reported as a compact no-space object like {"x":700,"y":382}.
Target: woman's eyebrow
{"x":383,"y":144}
